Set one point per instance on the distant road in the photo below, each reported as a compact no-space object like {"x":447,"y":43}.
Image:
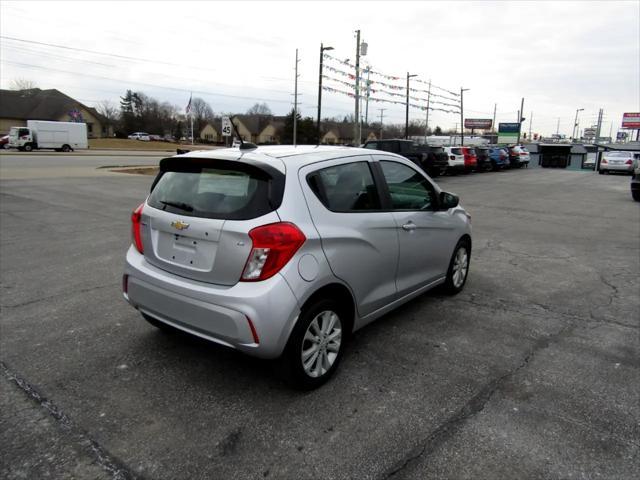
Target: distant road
{"x":18,"y":165}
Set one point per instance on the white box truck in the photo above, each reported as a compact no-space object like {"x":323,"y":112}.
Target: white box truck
{"x":39,"y":134}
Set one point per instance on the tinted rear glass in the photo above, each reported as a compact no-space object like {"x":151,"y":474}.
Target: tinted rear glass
{"x":456,"y":151}
{"x":216,"y":189}
{"x":618,"y":154}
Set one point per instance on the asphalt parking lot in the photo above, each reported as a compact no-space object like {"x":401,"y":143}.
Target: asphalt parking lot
{"x":531,"y":372}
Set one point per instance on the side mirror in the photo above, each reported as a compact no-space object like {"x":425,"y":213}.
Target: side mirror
{"x":448,"y":200}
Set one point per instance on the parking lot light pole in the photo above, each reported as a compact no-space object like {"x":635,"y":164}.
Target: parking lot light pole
{"x":575,"y":124}
{"x":322,"y":50}
{"x":462,"y":90}
{"x":406,"y":119}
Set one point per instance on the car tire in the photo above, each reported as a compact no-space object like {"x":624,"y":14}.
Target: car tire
{"x":66,"y":148}
{"x":28,"y":147}
{"x":601,"y":172}
{"x":635,"y":194}
{"x":453,"y":283}
{"x":320,"y":337}
{"x":163,"y":327}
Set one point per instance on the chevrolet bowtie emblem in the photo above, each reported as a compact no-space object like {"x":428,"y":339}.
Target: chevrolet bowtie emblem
{"x":180,"y":225}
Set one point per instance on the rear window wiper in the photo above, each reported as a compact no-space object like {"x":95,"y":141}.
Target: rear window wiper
{"x":182,"y":206}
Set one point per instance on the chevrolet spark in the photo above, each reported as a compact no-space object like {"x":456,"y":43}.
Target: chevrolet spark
{"x":284,"y":252}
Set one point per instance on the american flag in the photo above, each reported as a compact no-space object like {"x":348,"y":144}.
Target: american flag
{"x":188,"y":109}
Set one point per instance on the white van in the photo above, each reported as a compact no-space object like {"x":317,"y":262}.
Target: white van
{"x":59,"y":136}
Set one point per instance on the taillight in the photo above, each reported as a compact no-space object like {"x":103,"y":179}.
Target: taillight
{"x":628,"y":162}
{"x":452,"y":157}
{"x":604,"y":160}
{"x":136,"y":228}
{"x":523,"y":153}
{"x":273,"y":246}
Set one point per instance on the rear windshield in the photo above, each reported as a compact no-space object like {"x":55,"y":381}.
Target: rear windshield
{"x":618,"y":154}
{"x":471,"y":151}
{"x":216,"y":189}
{"x":456,"y":151}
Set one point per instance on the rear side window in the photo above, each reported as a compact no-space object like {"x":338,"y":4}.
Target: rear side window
{"x":216,"y":189}
{"x":346,"y":188}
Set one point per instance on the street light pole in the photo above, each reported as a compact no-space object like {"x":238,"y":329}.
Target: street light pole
{"x":356,"y":120}
{"x":295,"y":105}
{"x":575,"y":123}
{"x":322,"y":50}
{"x":381,"y":117}
{"x":406,"y":119}
{"x":462,"y":90}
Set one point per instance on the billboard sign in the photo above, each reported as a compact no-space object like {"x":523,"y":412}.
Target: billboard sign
{"x":508,"y":132}
{"x":631,"y":120}
{"x":482,"y":123}
{"x":589,"y":132}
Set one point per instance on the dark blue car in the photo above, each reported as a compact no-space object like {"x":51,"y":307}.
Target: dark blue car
{"x":499,"y":158}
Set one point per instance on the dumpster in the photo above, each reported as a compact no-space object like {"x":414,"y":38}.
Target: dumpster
{"x":554,"y":155}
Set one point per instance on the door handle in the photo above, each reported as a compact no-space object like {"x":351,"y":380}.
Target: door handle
{"x":409,"y":226}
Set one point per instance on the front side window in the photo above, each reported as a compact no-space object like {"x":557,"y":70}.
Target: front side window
{"x":371,"y":145}
{"x":408,"y":189}
{"x":346,"y":188}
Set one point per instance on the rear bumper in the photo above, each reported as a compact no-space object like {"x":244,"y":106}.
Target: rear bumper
{"x":217,"y":313}
{"x":616,"y":168}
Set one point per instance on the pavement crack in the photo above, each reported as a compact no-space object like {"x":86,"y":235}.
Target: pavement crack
{"x":42,"y":299}
{"x":473,"y":406}
{"x":101,"y":456}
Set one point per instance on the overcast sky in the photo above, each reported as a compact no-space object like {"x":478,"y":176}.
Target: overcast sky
{"x":559,"y":56}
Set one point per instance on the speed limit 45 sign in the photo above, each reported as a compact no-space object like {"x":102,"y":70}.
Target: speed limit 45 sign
{"x":226,"y":127}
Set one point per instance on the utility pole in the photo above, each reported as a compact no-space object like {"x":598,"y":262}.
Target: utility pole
{"x":356,"y":120}
{"x":381,"y":117}
{"x":558,"y":127}
{"x":406,"y":118}
{"x":462,"y":90}
{"x":493,"y":124}
{"x":520,"y":113}
{"x":295,"y":105}
{"x":322,"y":50}
{"x":575,"y":124}
{"x":599,"y":127}
{"x":530,"y":120}
{"x":366,"y":111}
{"x":426,"y":121}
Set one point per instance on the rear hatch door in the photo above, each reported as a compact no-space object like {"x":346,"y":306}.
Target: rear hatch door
{"x":197,"y":219}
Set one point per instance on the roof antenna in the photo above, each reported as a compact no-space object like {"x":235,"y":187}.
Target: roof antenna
{"x":243,"y":145}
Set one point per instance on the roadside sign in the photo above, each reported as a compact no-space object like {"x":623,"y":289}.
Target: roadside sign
{"x":589,"y":132}
{"x":482,"y":123}
{"x":631,"y":120}
{"x":508,"y":132}
{"x":226,"y":127}
{"x":620,"y":136}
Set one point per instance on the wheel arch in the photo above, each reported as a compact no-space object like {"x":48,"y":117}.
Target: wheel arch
{"x":339,"y":292}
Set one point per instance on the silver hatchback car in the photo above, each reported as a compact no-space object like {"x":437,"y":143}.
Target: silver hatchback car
{"x":283,"y":252}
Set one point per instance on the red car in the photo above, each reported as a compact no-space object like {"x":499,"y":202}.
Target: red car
{"x":4,"y":142}
{"x":470,"y":158}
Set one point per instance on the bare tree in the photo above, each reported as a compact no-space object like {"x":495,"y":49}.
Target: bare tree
{"x":259,"y":109}
{"x":202,"y":114}
{"x":109,"y":110}
{"x":22,"y":84}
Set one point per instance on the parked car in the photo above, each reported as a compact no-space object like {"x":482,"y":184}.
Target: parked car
{"x":617,"y":161}
{"x":499,"y":158}
{"x":155,"y":138}
{"x":635,"y":181}
{"x":4,"y":141}
{"x":483,"y":159}
{"x":470,"y":159}
{"x":284,"y":252}
{"x":142,"y":136}
{"x":431,"y":159}
{"x":518,"y":156}
{"x":455,"y":160}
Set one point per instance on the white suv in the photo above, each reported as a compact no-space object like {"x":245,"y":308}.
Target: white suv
{"x":145,"y":137}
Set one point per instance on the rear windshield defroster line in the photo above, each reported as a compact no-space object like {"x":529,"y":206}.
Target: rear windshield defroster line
{"x":220,"y":189}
